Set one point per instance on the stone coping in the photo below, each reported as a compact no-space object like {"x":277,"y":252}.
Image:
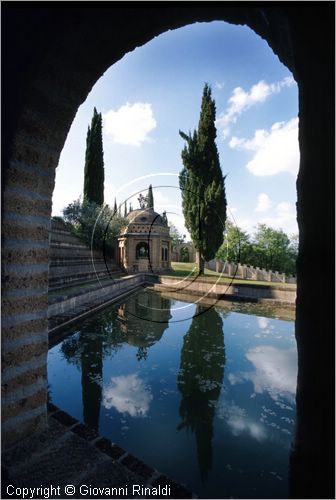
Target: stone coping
{"x":70,"y":452}
{"x":231,"y":282}
{"x":151,"y":477}
{"x":55,"y":295}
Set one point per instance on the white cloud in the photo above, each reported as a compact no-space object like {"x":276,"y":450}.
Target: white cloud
{"x":264,"y":203}
{"x":241,"y":100}
{"x":219,"y":85}
{"x":130,"y":124}
{"x":127,"y":394}
{"x":275,"y":151}
{"x":285,"y":218}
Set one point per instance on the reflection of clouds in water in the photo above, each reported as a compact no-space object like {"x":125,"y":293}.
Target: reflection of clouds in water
{"x":275,"y":371}
{"x":127,"y":394}
{"x":239,"y":422}
{"x":263,"y":323}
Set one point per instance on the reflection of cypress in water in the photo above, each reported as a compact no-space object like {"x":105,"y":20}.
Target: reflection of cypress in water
{"x":92,"y":370}
{"x":200,"y":380}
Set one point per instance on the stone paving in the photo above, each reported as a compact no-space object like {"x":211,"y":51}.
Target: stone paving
{"x":70,"y":453}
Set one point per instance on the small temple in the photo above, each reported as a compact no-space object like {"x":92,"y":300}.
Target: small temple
{"x":145,"y":244}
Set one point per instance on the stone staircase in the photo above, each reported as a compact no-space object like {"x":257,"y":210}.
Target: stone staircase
{"x":72,"y":262}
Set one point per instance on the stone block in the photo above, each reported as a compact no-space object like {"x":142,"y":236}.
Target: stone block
{"x":23,"y":405}
{"x":21,"y":305}
{"x":24,"y":353}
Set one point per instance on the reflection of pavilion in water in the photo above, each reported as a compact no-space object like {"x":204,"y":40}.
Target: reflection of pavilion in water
{"x":143,"y":320}
{"x":140,"y":322}
{"x":200,"y":381}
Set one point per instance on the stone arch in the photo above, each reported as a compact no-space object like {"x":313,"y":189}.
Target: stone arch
{"x":79,"y":44}
{"x":142,"y":250}
{"x":184,"y":254}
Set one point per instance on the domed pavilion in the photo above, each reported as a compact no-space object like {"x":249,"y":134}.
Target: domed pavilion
{"x":144,"y":245}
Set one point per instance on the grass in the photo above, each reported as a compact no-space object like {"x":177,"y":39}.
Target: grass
{"x":190,"y":269}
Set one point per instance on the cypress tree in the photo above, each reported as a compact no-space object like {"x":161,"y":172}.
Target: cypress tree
{"x":150,"y":199}
{"x":115,"y":208}
{"x":94,"y":162}
{"x":125,"y":209}
{"x":202,"y":184}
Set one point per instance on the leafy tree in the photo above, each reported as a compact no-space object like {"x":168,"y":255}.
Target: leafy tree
{"x":150,"y":199}
{"x":268,"y":248}
{"x":236,"y":246}
{"x":177,"y":237}
{"x":94,"y":162}
{"x":202,"y":184}
{"x":92,"y":223}
{"x":272,"y":249}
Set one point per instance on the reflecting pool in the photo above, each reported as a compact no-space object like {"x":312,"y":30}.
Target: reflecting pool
{"x":206,"y":395}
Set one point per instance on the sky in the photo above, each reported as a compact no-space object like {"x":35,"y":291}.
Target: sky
{"x":156,"y":90}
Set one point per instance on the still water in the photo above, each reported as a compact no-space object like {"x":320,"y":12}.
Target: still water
{"x":204,"y":395}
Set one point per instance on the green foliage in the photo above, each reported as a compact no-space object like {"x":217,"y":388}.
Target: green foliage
{"x":202,"y":183}
{"x":268,"y":248}
{"x":236,"y":245}
{"x":177,"y":237}
{"x":94,"y":162}
{"x":273,"y":250}
{"x":150,"y":199}
{"x":92,"y":223}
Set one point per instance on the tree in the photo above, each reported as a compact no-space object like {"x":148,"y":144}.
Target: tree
{"x":202,"y":184}
{"x":115,"y":207}
{"x":150,"y":199}
{"x":93,"y":224}
{"x":272,"y":249}
{"x":94,"y":162}
{"x":125,"y":209}
{"x":236,"y":246}
{"x":176,"y":237}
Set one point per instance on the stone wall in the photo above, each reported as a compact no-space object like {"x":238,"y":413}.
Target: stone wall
{"x":248,"y":292}
{"x":248,"y":272}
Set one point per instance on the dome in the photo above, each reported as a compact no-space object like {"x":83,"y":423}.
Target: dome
{"x":146,"y":216}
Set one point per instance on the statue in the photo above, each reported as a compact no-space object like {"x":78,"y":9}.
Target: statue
{"x":142,"y":201}
{"x":164,"y":217}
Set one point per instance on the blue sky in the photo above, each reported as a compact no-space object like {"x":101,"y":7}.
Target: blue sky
{"x":154,"y":91}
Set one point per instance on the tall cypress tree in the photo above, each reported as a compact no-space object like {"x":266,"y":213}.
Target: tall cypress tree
{"x":94,"y":162}
{"x":150,"y":199}
{"x":202,"y":184}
